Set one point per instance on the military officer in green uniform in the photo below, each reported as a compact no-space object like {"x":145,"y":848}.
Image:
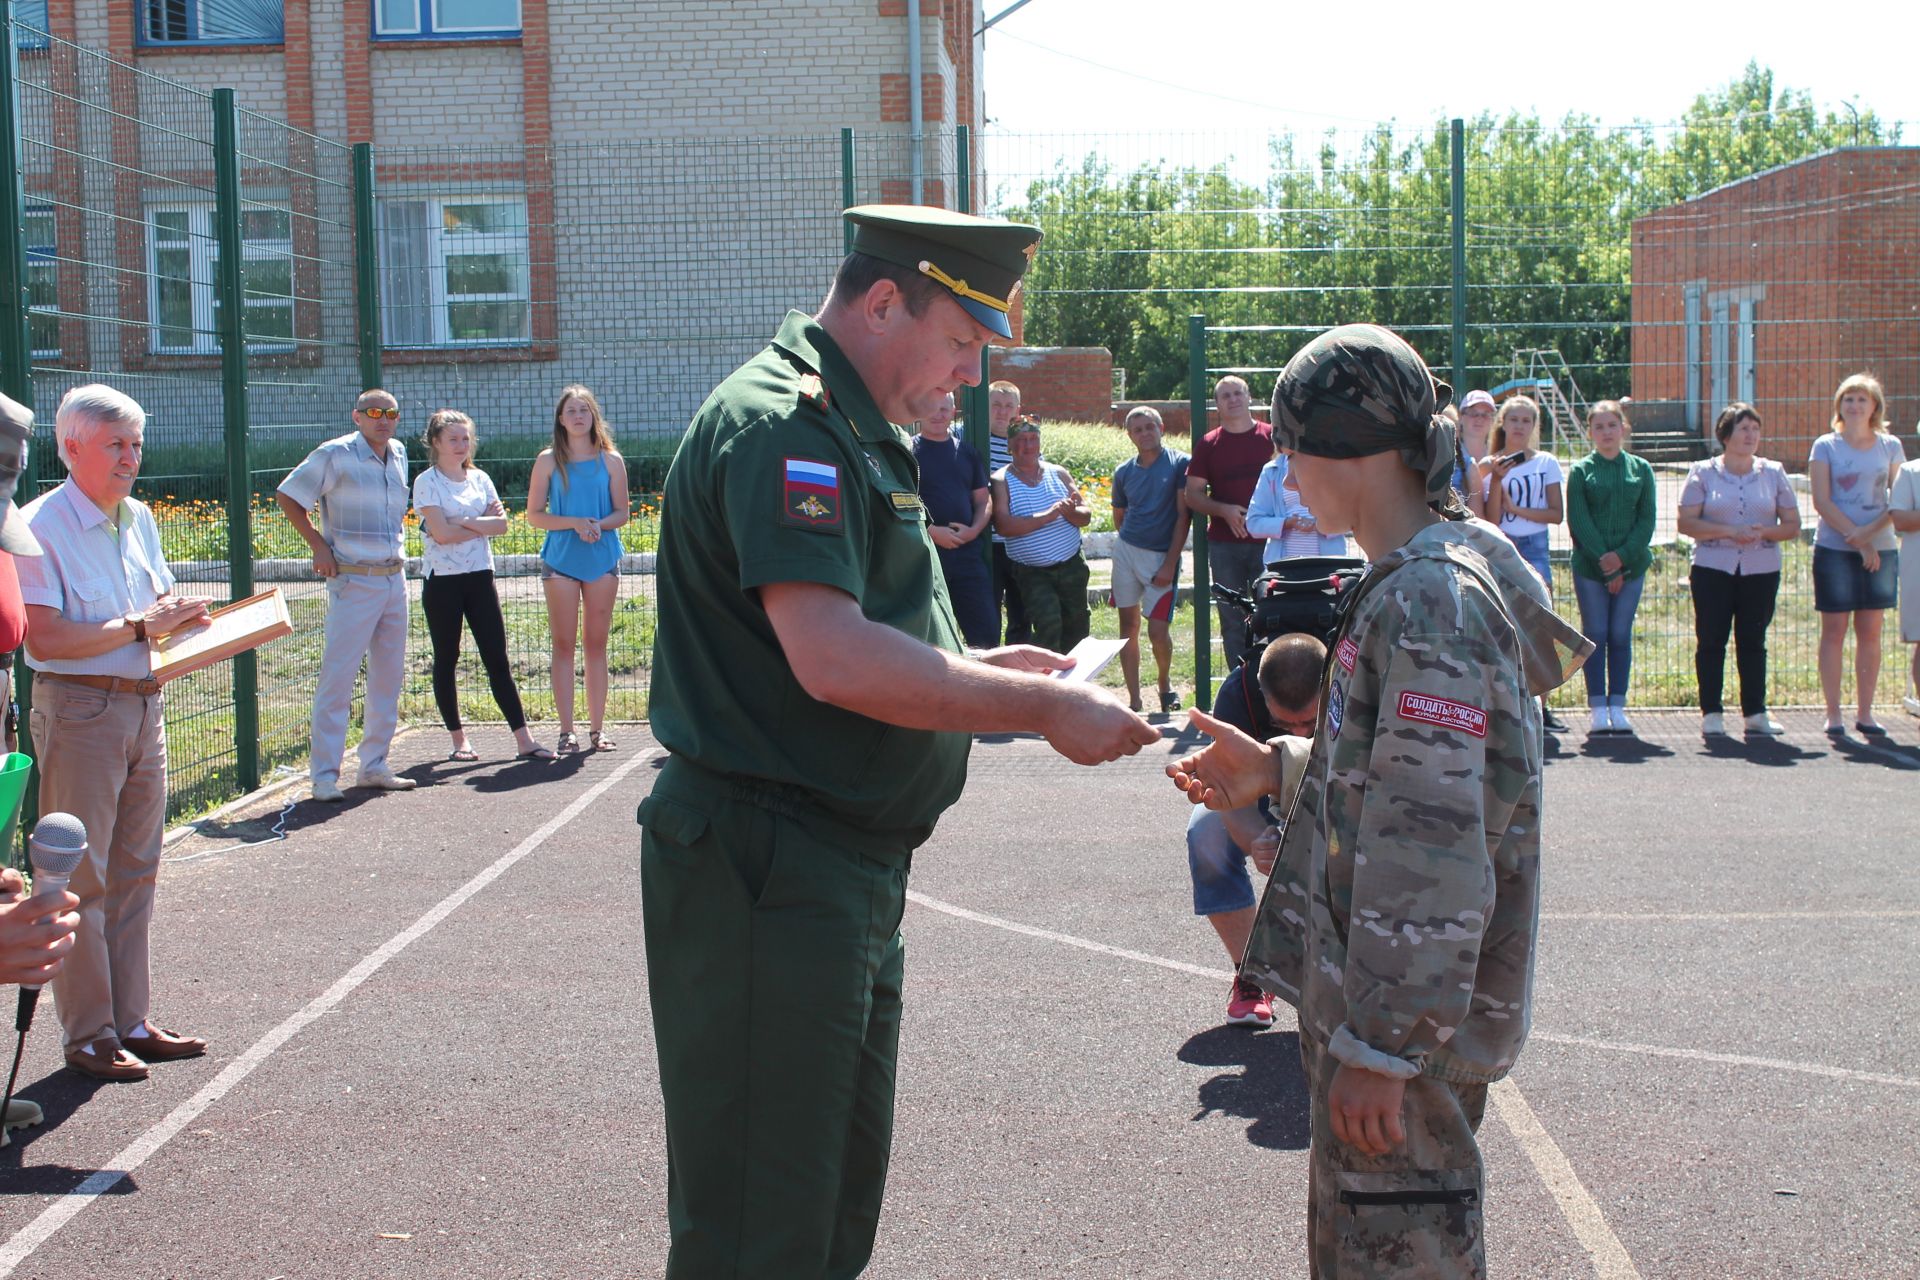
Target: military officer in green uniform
{"x":1403,"y":908}
{"x":810,"y":684}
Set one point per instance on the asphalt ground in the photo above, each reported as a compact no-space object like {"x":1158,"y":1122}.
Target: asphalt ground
{"x":432,"y":1056}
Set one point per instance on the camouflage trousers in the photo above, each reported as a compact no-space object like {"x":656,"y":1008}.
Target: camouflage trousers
{"x":1414,"y":1212}
{"x":1055,"y":596}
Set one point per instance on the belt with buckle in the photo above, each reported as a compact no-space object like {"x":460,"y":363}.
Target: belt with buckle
{"x":371,"y":570}
{"x":112,"y":684}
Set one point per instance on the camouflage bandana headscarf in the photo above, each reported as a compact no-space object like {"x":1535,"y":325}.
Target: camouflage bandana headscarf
{"x":1359,"y":390}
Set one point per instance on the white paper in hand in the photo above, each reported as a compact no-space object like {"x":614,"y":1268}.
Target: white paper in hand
{"x":1089,"y":656}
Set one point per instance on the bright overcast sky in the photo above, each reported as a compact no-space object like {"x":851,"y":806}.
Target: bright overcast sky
{"x":1211,"y":65}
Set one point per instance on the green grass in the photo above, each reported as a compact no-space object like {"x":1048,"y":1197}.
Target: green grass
{"x":201,"y":719}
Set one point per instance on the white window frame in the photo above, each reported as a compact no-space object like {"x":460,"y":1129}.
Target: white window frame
{"x":203,"y":248}
{"x":428,"y":26}
{"x":442,"y":246}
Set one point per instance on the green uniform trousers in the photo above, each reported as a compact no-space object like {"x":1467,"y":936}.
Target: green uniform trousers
{"x":1412,"y":1212}
{"x":1055,"y":597}
{"x":774,"y":964}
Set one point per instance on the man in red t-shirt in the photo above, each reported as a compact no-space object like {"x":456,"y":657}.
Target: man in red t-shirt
{"x":1220,"y":480}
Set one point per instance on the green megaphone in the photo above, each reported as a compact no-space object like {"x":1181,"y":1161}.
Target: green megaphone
{"x":15,"y":769}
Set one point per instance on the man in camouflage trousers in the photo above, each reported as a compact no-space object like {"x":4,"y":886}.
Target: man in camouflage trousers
{"x":1401,"y":916}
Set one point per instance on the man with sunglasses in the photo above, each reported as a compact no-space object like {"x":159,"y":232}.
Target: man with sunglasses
{"x":357,"y":483}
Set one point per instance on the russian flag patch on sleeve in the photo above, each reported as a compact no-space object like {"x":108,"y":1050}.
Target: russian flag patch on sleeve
{"x":810,"y":494}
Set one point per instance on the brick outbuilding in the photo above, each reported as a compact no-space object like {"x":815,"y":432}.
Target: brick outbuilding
{"x":1774,"y":288}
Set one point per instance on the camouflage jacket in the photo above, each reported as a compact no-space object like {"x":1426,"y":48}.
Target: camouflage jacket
{"x":1401,"y":916}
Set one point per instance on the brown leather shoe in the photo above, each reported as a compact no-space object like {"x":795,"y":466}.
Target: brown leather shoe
{"x":163,"y":1046}
{"x":107,"y":1061}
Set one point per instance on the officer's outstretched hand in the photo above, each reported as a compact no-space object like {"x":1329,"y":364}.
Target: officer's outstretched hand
{"x":1088,"y":725}
{"x":1027,"y":657}
{"x":1231,"y":772}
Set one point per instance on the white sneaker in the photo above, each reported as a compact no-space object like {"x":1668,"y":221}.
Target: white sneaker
{"x":328,"y":792}
{"x":1713,"y":725}
{"x":1620,"y":722}
{"x":1912,"y":705}
{"x":21,"y":1114}
{"x":384,"y":780}
{"x":1602,"y":722}
{"x":1763,"y":725}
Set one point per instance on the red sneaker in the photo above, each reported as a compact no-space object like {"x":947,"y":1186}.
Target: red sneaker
{"x":1249,"y":1005}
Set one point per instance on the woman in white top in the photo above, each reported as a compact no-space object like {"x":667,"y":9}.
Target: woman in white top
{"x":460,"y":514}
{"x":1856,"y":562}
{"x":1523,"y":486}
{"x":1521,"y":491}
{"x":1738,"y":508}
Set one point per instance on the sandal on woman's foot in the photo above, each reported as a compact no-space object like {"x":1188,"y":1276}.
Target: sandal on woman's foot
{"x":568,"y":744}
{"x":534,"y":753}
{"x":600,"y":741}
{"x":463,"y":754}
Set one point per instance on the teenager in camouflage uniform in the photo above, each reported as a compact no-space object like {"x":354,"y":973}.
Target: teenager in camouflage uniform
{"x":1401,"y":916}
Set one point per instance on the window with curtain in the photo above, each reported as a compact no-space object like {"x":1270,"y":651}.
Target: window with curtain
{"x":30,"y":24}
{"x":211,"y":21}
{"x":454,"y":271}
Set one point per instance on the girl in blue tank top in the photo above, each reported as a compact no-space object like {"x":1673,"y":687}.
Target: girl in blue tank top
{"x":578,"y":494}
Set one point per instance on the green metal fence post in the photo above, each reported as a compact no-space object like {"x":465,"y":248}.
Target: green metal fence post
{"x":366,"y":265}
{"x":230,"y":287}
{"x":16,"y":347}
{"x":16,"y":344}
{"x":1202,"y":581}
{"x":846,"y":187}
{"x":963,"y":163}
{"x":1457,"y":145}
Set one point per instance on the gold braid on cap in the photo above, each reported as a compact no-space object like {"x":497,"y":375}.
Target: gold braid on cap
{"x":960,"y":286}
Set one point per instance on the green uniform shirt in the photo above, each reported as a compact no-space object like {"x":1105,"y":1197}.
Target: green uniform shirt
{"x":789,"y":473}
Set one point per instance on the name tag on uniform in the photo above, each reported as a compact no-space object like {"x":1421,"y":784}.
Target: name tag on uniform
{"x":907,"y":503}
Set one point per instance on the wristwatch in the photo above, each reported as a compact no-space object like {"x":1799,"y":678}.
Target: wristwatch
{"x":138,"y":622}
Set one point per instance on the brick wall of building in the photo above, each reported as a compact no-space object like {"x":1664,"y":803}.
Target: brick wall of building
{"x":1058,"y":382}
{"x":656,"y":269}
{"x":1827,"y":250}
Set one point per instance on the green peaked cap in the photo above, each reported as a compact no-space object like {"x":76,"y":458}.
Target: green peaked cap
{"x":979,"y":260}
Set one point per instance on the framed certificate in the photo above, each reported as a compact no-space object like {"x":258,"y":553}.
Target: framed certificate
{"x":240,"y":626}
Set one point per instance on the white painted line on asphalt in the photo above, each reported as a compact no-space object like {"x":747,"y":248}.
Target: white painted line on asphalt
{"x":1583,"y":1215}
{"x":1067,"y":939}
{"x":1610,"y":1260}
{"x":137,"y":1152}
{"x":1732,"y":1060}
{"x":1733,"y":916}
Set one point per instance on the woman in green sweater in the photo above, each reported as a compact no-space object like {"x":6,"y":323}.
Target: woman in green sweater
{"x":1610,"y":515}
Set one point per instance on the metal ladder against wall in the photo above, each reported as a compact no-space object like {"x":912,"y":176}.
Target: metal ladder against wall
{"x":1561,"y":401}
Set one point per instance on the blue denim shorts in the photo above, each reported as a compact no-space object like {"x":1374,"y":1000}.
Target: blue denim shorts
{"x":1841,"y":583}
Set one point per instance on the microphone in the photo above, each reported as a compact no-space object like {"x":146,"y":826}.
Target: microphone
{"x":58,"y":843}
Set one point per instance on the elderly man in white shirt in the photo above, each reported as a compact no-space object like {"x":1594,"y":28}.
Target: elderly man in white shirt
{"x":358,"y":485}
{"x":99,"y":592}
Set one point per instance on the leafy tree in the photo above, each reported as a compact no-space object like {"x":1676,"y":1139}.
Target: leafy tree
{"x":1365,"y":234}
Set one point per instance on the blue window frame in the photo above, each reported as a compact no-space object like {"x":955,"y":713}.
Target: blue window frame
{"x":43,"y":282}
{"x":165,"y":22}
{"x":445,"y":19}
{"x":30,"y":18}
